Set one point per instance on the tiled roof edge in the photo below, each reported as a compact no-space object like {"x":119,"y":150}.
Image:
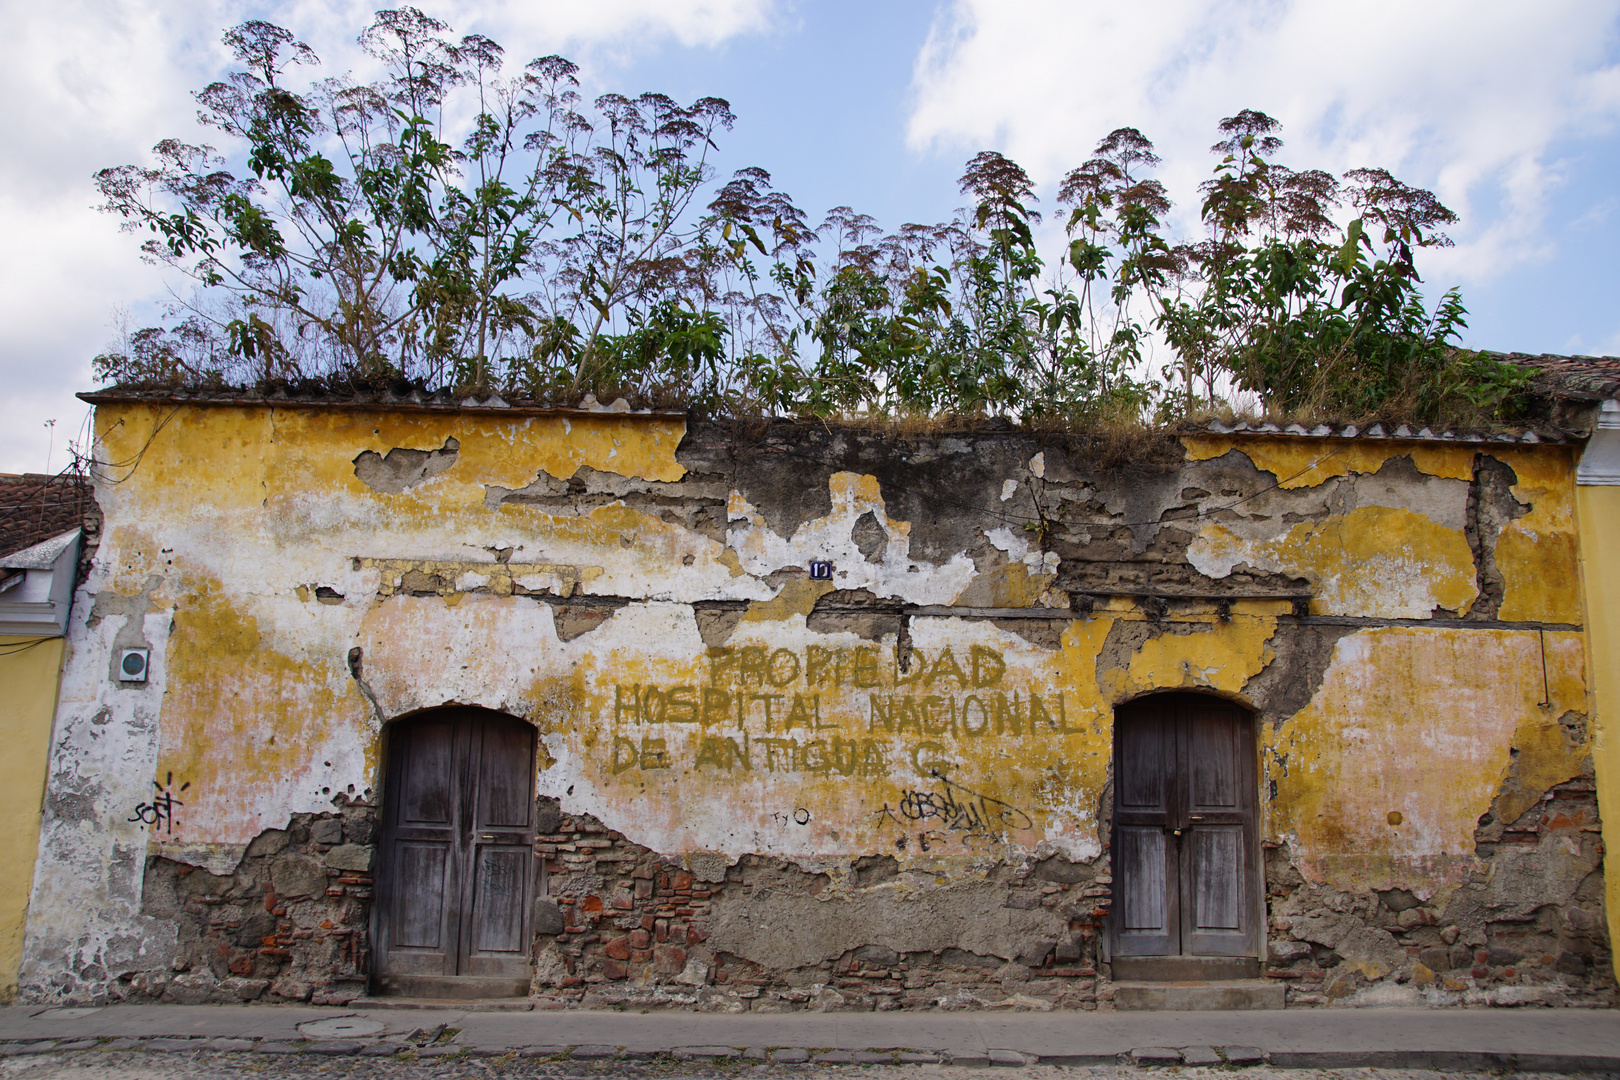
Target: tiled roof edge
{"x":414,"y":401}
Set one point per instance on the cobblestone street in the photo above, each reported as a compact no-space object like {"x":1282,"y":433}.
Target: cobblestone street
{"x":135,"y":1065}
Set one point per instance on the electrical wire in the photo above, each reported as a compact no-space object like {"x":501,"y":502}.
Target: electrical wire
{"x":133,"y":462}
{"x":25,"y":503}
{"x":76,"y":467}
{"x":23,"y":646}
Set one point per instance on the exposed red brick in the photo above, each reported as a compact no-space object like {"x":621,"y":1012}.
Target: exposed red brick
{"x":669,"y":959}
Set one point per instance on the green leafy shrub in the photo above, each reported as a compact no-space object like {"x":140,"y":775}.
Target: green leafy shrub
{"x":561,"y":248}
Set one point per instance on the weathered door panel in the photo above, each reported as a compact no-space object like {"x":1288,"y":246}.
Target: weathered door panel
{"x":500,"y":848}
{"x":1218,"y":917}
{"x":1215,"y":919}
{"x":422,"y":909}
{"x":419,"y":909}
{"x":1147,"y":921}
{"x":1146,"y":760}
{"x":456,"y":866}
{"x":1184,"y":829}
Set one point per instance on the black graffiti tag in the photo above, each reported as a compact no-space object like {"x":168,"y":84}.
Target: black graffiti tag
{"x":958,"y":808}
{"x":159,"y":813}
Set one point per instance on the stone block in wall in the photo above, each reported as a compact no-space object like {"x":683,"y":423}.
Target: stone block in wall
{"x":326,"y":831}
{"x":298,"y":875}
{"x":548,"y":918}
{"x":349,"y":857}
{"x":1287,"y":952}
{"x":269,"y":842}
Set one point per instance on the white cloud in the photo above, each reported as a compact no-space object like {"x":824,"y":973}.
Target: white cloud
{"x":1464,"y":96}
{"x":95,"y":83}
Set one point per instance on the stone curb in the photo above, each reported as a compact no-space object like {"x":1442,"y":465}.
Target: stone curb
{"x":1148,"y":1057}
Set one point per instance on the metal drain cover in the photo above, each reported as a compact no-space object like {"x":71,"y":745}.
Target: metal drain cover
{"x":341,"y":1027}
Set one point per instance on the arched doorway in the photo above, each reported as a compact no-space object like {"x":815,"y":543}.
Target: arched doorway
{"x":1185,"y":858}
{"x":456,"y":870}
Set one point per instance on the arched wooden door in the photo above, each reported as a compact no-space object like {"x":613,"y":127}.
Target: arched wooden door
{"x":1184,"y":834}
{"x":456,"y":866}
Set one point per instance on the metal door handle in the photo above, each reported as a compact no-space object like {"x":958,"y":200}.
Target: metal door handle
{"x":486,"y":836}
{"x":1195,"y":817}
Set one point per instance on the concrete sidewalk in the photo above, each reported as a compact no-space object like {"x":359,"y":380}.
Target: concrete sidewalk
{"x":1553,"y":1040}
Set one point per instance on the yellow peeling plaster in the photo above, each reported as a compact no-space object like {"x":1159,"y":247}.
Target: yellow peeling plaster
{"x":244,"y":722}
{"x":1373,"y":561}
{"x":982,"y":745}
{"x":1214,"y":656}
{"x":266,"y":457}
{"x":1382,"y":777}
{"x":1412,"y":560}
{"x":1299,"y":462}
{"x":251,"y":489}
{"x":1536,"y":552}
{"x":812,"y":744}
{"x":1599,"y":514}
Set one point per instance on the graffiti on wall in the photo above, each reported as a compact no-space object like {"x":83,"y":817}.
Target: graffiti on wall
{"x":158,"y":815}
{"x":832,"y":711}
{"x":905,"y":725}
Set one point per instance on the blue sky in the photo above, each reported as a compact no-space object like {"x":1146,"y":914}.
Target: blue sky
{"x":1507,"y":110}
{"x":822,"y":104}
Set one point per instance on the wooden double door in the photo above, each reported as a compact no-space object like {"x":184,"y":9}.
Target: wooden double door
{"x":456,"y":874}
{"x":1184,"y":835}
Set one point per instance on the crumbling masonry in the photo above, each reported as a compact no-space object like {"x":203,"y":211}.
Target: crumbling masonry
{"x":824,"y":715}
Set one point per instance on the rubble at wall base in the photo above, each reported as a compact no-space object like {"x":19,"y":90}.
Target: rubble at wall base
{"x":622,"y":927}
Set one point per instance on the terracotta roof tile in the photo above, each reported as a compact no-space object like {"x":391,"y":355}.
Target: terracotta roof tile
{"x":1583,"y":377}
{"x":36,"y":507}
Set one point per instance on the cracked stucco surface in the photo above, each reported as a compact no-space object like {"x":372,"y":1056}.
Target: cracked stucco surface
{"x":266,"y":575}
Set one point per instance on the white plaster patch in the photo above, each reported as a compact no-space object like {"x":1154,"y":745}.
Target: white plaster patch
{"x":1015,"y":544}
{"x":84,"y":910}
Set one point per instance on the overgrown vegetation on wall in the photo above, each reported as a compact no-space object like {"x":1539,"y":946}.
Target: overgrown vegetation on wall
{"x":562,"y":248}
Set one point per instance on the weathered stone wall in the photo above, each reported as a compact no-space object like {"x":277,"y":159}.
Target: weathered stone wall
{"x":292,"y":923}
{"x":890,"y":786}
{"x":1527,"y":928}
{"x":632,"y":929}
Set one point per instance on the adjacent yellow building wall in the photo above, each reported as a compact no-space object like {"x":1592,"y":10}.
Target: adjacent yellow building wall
{"x":28,"y":679}
{"x":1599,"y":508}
